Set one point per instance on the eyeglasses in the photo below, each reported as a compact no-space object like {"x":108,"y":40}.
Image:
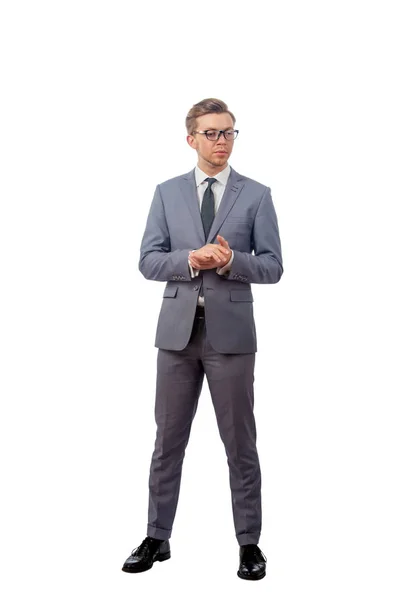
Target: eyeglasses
{"x":213,"y":135}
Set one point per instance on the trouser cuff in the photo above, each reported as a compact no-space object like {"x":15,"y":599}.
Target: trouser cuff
{"x":159,"y":534}
{"x":248,"y":538}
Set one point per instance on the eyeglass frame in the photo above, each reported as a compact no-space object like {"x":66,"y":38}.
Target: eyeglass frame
{"x":220,"y":131}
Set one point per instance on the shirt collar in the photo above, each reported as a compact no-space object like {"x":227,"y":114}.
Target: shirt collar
{"x":222,"y":177}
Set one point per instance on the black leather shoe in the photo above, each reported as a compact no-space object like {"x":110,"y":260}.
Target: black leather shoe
{"x":143,"y":557}
{"x":252,"y":562}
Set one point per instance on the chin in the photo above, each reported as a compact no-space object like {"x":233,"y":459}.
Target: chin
{"x":222,"y":160}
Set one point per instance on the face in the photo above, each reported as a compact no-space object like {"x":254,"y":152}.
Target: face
{"x":212,"y":156}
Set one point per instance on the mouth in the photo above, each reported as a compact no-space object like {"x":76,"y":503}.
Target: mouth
{"x":220,"y":152}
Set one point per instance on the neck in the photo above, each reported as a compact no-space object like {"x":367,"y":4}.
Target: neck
{"x":210,"y":169}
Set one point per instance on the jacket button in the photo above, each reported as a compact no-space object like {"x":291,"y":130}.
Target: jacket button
{"x":196,"y":287}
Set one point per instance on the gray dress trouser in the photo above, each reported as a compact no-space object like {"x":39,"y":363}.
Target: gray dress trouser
{"x":230,"y":378}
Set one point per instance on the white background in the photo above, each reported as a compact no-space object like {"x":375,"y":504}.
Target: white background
{"x":93,"y":101}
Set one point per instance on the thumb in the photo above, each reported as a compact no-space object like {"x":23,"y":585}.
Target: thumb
{"x":222,"y":241}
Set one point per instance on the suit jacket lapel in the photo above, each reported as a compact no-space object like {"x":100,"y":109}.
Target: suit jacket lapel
{"x":233,"y":188}
{"x":188,"y":188}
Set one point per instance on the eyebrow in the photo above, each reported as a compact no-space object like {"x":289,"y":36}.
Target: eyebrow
{"x":215,"y":129}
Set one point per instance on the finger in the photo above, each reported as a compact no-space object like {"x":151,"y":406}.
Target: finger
{"x":219,"y":257}
{"x":203,"y":256}
{"x":196,"y":265}
{"x":223,"y":241}
{"x":209,"y":265}
{"x":225,"y":250}
{"x":202,"y":261}
{"x":195,"y":260}
{"x":221,"y":251}
{"x":217,"y":248}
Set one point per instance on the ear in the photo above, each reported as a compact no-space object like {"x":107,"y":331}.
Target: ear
{"x":191,"y":140}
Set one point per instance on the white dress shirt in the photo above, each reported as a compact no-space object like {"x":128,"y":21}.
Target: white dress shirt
{"x":218,"y":189}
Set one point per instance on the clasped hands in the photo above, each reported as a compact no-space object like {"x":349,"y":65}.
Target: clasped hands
{"x":211,"y":256}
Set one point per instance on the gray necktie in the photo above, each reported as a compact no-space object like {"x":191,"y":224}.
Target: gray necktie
{"x":207,"y":207}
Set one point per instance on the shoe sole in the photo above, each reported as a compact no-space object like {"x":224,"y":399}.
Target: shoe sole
{"x":251,"y":578}
{"x":159,"y":558}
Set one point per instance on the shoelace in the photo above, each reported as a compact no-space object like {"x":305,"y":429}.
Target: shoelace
{"x":143,"y":550}
{"x":253,"y":551}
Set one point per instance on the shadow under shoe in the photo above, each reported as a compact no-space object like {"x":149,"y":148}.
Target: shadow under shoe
{"x":143,"y":557}
{"x":252,"y":562}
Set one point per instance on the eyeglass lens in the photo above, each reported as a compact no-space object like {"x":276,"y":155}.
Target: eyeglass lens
{"x":214,"y":135}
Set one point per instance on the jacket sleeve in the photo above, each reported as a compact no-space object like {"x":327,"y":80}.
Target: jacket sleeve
{"x":265,"y":265}
{"x":157,"y":262}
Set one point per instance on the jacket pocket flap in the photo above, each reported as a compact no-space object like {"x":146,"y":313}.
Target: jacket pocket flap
{"x":241,"y":296}
{"x":170,"y":292}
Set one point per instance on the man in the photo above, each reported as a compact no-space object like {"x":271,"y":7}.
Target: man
{"x":209,"y":235}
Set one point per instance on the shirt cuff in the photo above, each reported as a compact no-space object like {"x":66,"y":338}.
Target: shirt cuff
{"x":227,"y":267}
{"x":193,"y":272}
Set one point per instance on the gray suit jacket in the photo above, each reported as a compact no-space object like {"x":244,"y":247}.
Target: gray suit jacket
{"x":247,"y":220}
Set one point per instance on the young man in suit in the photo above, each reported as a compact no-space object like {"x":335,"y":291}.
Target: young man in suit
{"x":210,"y":234}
